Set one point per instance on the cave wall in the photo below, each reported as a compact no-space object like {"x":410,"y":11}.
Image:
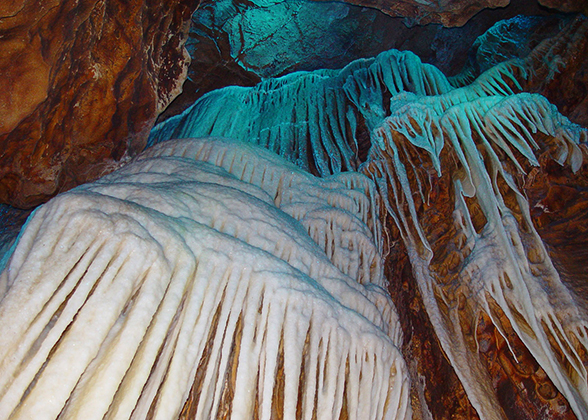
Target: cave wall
{"x":83,"y":83}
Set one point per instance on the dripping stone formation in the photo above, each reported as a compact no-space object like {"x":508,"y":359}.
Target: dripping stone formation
{"x":239,"y":268}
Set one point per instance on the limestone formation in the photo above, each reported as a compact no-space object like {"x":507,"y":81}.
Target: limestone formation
{"x":187,"y":285}
{"x":451,"y":165}
{"x":375,"y":241}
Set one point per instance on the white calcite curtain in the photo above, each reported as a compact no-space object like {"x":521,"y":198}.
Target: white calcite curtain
{"x":216,"y":279}
{"x":208,"y":278}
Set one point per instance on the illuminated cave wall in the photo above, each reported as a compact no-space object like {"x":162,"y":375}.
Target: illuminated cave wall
{"x":480,"y":185}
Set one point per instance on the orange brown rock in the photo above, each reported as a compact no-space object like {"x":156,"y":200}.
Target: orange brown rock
{"x":520,"y":387}
{"x":83,"y":83}
{"x":436,"y":389}
{"x":446,"y":12}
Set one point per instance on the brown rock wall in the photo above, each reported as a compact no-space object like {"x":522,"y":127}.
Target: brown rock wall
{"x":436,"y":389}
{"x":568,"y":6}
{"x":558,"y":199}
{"x":449,"y":13}
{"x":86,"y":81}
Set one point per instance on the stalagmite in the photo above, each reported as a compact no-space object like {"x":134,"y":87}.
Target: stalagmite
{"x":183,"y":285}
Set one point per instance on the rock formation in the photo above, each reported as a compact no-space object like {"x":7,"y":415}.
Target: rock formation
{"x":83,"y":83}
{"x":441,"y":220}
{"x":61,"y":60}
{"x":205,"y":280}
{"x":451,"y":164}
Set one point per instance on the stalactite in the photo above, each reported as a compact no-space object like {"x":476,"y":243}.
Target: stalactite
{"x":309,"y":118}
{"x":488,"y":133}
{"x":247,"y":271}
{"x":502,"y":261}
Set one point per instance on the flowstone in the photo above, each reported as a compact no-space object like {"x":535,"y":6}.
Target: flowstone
{"x":451,"y":164}
{"x":187,"y":285}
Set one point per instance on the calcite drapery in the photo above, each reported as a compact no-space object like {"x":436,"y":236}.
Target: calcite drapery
{"x":186,"y":285}
{"x":556,"y":67}
{"x":482,"y":173}
{"x":478,"y":141}
{"x":60,"y":59}
{"x":482,"y":254}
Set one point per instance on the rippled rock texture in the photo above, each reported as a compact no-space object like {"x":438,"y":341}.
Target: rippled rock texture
{"x":82,"y":85}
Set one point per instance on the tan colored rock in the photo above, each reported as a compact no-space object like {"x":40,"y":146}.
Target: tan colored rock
{"x":82,"y":85}
{"x":449,"y":13}
{"x":566,"y":5}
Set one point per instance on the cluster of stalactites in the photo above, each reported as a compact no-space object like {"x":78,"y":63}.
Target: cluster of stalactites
{"x":490,"y":139}
{"x":315,"y":120}
{"x":181,"y":286}
{"x":309,"y":118}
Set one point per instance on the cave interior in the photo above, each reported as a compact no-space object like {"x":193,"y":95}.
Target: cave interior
{"x":294,"y":209}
